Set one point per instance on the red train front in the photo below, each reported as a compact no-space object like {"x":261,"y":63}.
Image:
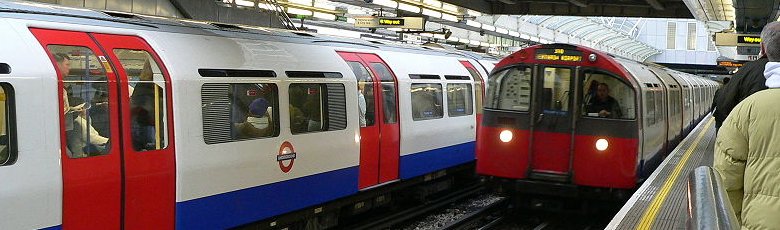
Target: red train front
{"x":539,"y":134}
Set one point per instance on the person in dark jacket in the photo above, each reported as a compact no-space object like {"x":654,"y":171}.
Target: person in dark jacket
{"x":748,"y":80}
{"x":717,"y":92}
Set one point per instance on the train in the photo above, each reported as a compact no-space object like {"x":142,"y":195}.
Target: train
{"x":566,"y":121}
{"x":113,"y":120}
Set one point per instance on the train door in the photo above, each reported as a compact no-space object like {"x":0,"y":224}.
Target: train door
{"x":117,"y":148}
{"x":380,"y":132}
{"x":479,"y":88}
{"x":552,"y":121}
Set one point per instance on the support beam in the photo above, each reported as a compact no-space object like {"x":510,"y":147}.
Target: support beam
{"x":580,"y":3}
{"x":655,"y":4}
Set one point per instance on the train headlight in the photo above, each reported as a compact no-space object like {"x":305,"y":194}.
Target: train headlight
{"x":505,"y":136}
{"x":602,"y":144}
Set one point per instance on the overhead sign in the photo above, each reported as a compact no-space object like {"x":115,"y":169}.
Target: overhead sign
{"x":731,"y":39}
{"x":558,"y":55}
{"x":749,"y":39}
{"x":416,"y":23}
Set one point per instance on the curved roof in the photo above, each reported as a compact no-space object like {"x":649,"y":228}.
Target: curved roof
{"x":614,"y":35}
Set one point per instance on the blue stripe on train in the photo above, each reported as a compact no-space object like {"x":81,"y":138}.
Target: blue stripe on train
{"x":252,"y":204}
{"x":58,"y":227}
{"x":429,"y":161}
{"x":248,"y":205}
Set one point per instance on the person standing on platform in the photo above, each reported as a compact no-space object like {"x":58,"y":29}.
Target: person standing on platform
{"x":747,"y":148}
{"x":746,"y":81}
{"x":717,"y":92}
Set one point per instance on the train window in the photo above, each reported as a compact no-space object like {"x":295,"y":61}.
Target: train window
{"x":555,"y":95}
{"x":388,"y":92}
{"x":650,"y":106}
{"x":607,"y":96}
{"x":233,"y":112}
{"x":426,"y":101}
{"x":459,"y":100}
{"x":365,"y":93}
{"x":7,"y":132}
{"x":316,"y":107}
{"x":253,"y":109}
{"x":148,"y":104}
{"x":510,"y":89}
{"x":85,"y":100}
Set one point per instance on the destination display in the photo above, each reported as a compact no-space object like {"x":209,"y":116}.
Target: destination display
{"x":730,"y":63}
{"x":558,"y":55}
{"x":749,"y":39}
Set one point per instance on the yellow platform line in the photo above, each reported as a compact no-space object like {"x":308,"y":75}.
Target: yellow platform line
{"x":648,"y":218}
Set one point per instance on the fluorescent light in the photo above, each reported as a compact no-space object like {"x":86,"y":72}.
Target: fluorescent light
{"x":473,"y":13}
{"x":302,"y":2}
{"x":426,"y":35}
{"x":453,"y":39}
{"x":355,"y":10}
{"x":438,"y":36}
{"x":331,"y":17}
{"x":484,"y":44}
{"x":324,"y":5}
{"x":387,"y":3}
{"x":525,"y":36}
{"x":502,"y":30}
{"x":449,"y":17}
{"x":449,"y":7}
{"x":514,"y":33}
{"x":464,"y":41}
{"x":476,"y":43}
{"x":351,"y":20}
{"x":245,"y":3}
{"x":432,"y":3}
{"x":298,"y":11}
{"x":407,"y":7}
{"x":488,"y":27}
{"x":431,"y":13}
{"x":473,"y":23}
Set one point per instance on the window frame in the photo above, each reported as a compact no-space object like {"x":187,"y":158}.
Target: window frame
{"x":469,"y":109}
{"x":10,"y":124}
{"x":441,"y":96}
{"x":626,"y":83}
{"x":491,"y":99}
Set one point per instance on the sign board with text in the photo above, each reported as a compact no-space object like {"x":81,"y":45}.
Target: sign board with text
{"x":731,"y":39}
{"x":415,"y":23}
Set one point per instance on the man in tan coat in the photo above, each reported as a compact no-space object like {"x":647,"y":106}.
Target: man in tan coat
{"x":747,"y":148}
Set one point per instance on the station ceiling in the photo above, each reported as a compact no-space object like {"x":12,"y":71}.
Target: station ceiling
{"x":608,"y":8}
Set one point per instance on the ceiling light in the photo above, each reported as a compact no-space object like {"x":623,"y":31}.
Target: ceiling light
{"x":449,"y":7}
{"x":431,"y":13}
{"x":449,"y":17}
{"x":502,"y":30}
{"x":473,"y":13}
{"x":473,"y":23}
{"x":435,"y":3}
{"x":298,"y":11}
{"x":387,"y":3}
{"x":409,"y":8}
{"x":514,"y":33}
{"x":488,"y":27}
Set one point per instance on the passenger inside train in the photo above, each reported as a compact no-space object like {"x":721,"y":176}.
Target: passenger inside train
{"x":365,"y":93}
{"x":88,"y":90}
{"x":253,"y":111}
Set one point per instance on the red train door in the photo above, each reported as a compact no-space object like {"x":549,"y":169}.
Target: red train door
{"x":552,"y":122}
{"x":479,"y":87}
{"x":108,"y":183}
{"x":380,"y":132}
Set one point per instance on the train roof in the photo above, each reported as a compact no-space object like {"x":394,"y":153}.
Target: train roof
{"x":55,"y":13}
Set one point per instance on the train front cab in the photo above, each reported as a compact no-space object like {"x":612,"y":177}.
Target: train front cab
{"x":540,"y":134}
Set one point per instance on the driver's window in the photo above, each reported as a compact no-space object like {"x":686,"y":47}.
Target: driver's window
{"x":606,"y":96}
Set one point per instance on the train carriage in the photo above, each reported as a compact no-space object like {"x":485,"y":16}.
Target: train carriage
{"x":546,"y":129}
{"x":142,"y":122}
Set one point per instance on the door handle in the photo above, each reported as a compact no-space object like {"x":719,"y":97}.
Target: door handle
{"x":541,"y":116}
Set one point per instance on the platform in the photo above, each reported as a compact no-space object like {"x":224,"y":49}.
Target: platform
{"x":661,"y":202}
